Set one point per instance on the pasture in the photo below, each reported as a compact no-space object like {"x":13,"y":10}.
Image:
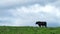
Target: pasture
{"x":28,"y":30}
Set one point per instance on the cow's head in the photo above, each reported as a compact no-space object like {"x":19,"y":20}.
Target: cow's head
{"x":38,"y":22}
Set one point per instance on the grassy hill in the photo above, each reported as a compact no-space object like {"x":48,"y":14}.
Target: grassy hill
{"x":28,"y":30}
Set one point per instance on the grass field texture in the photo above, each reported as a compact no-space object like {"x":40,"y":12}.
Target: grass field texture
{"x":28,"y":30}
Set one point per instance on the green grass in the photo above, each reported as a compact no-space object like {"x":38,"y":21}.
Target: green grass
{"x":28,"y":30}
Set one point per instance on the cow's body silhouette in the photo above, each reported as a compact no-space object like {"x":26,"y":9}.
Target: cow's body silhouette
{"x":41,"y":23}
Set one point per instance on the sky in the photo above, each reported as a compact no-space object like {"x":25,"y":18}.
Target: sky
{"x":27,"y":12}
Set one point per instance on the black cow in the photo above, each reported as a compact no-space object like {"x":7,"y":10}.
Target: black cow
{"x":41,"y":23}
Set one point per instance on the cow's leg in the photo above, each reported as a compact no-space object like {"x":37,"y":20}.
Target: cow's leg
{"x":42,"y":25}
{"x":39,"y":25}
{"x":45,"y":25}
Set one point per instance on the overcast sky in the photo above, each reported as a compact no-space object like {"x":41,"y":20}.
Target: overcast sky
{"x":27,"y":12}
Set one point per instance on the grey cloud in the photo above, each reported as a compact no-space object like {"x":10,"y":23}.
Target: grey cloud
{"x":16,"y":17}
{"x":7,"y":4}
{"x":56,"y":3}
{"x":5,"y":13}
